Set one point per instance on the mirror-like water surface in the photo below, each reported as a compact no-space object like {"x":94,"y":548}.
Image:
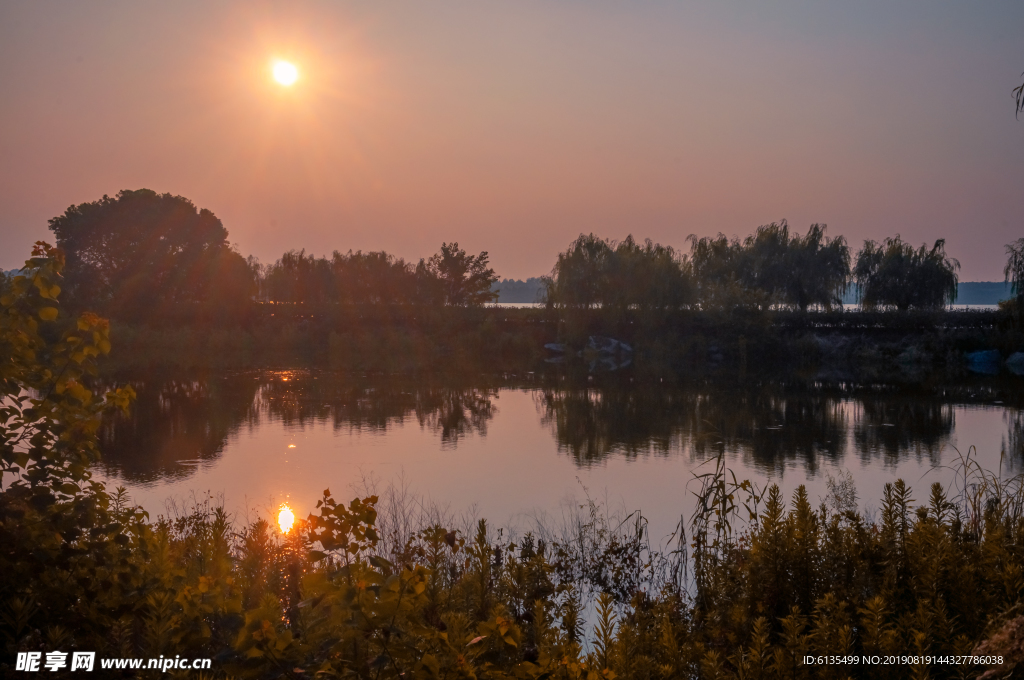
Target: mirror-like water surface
{"x":514,"y":451}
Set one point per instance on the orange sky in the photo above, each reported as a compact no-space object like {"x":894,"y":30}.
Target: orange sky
{"x":512,"y":127}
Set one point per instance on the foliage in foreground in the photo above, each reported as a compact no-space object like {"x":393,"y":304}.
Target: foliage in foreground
{"x":347,"y":595}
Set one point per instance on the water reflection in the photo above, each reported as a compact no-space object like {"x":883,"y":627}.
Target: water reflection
{"x":176,"y":427}
{"x":892,"y":428}
{"x":358,"y":404}
{"x":180,"y":426}
{"x":1014,"y":446}
{"x":774,"y":424}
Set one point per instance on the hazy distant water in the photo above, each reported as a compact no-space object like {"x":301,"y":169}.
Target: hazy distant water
{"x":849,"y":307}
{"x":517,"y":450}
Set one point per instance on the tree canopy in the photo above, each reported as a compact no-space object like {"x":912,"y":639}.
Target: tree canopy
{"x":450,"y":277}
{"x":1014,"y":270}
{"x":772,"y":267}
{"x":130,"y":253}
{"x":579,"y":278}
{"x":894,"y":274}
{"x":462,"y":279}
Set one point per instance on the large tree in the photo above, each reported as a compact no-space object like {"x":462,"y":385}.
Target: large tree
{"x":648,"y":278}
{"x":374,"y":278}
{"x":298,"y":277}
{"x":645,"y":280}
{"x":579,"y":278}
{"x":461,"y":279}
{"x":772,"y":267}
{"x":131,"y":253}
{"x":818,"y":269}
{"x":894,"y":274}
{"x":717,"y":262}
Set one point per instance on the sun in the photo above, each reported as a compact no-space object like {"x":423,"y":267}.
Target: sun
{"x":285,"y":73}
{"x":285,"y":519}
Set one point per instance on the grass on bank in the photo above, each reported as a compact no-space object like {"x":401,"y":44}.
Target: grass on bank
{"x":376,"y":589}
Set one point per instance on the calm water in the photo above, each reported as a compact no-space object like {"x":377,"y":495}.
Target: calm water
{"x":517,"y":450}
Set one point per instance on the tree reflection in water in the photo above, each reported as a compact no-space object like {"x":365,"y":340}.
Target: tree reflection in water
{"x":897,"y":426}
{"x":1014,"y":444}
{"x":374,"y":404}
{"x":773,"y":424}
{"x":177,"y":426}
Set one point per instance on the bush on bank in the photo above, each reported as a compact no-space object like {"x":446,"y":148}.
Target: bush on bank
{"x":758,"y":584}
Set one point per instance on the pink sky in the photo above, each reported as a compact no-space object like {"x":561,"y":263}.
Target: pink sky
{"x":513,"y":127}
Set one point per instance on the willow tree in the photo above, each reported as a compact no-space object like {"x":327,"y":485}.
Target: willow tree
{"x":716,"y":264}
{"x":894,"y":274}
{"x":818,"y":269}
{"x":1014,"y":270}
{"x":772,"y":267}
{"x":579,"y":278}
{"x":649,"y":278}
{"x":298,"y":277}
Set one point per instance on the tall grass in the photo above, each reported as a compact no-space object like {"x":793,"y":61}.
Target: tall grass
{"x":391,"y":586}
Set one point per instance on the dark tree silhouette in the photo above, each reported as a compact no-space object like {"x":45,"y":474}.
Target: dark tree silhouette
{"x":462,"y":279}
{"x":1014,"y":270}
{"x":134,"y":252}
{"x":818,"y":269}
{"x":374,"y":278}
{"x":717,"y":262}
{"x":649,"y":278}
{"x":579,"y":278}
{"x":298,"y":277}
{"x":894,"y":274}
{"x":772,"y":267}
{"x":645,"y":280}
{"x":451,"y":277}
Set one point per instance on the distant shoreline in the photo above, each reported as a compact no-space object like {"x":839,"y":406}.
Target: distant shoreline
{"x":970,"y":294}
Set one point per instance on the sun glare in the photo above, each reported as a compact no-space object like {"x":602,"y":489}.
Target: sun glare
{"x":285,"y":73}
{"x":285,"y":519}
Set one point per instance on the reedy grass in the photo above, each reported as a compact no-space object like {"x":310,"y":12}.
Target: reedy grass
{"x":394,"y":584}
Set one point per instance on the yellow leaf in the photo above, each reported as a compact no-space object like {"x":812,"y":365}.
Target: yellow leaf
{"x":48,"y":313}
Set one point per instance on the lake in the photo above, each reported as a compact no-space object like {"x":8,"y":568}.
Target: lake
{"x":518,"y":450}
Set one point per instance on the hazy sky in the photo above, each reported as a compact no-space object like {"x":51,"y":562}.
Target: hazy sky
{"x":512,"y":127}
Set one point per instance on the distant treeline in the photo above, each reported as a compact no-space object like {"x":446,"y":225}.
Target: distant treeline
{"x":142,"y":256}
{"x":770,"y":269}
{"x":451,"y":277}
